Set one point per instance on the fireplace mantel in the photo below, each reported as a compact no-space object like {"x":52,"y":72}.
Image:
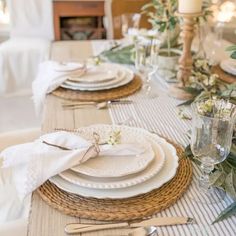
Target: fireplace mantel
{"x":79,"y":8}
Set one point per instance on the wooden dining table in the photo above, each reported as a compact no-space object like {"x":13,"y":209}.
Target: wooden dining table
{"x":47,"y":221}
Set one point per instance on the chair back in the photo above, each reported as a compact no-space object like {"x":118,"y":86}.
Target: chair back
{"x":31,"y":18}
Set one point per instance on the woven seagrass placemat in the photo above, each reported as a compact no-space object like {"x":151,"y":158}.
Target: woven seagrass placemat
{"x":122,"y":209}
{"x":102,"y":95}
{"x":226,"y":77}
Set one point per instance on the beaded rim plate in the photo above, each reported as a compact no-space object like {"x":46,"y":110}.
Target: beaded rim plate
{"x":121,"y":182}
{"x":122,"y":80}
{"x":166,"y":173}
{"x":118,"y":166}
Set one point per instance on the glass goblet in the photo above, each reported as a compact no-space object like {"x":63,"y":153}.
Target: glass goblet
{"x":130,"y":24}
{"x":211,"y":142}
{"x":146,"y":55}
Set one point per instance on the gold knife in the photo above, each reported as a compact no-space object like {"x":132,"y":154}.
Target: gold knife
{"x":158,"y":221}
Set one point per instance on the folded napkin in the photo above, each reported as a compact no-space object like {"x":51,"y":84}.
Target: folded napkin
{"x":34,"y":163}
{"x":50,"y":76}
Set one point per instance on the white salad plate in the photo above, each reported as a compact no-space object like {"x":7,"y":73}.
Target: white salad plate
{"x":166,"y":173}
{"x":116,"y":166}
{"x":122,"y":164}
{"x":95,"y":74}
{"x":66,"y":66}
{"x":229,"y":66}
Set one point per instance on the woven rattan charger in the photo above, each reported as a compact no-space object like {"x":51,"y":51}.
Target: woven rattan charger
{"x":121,"y":209}
{"x":102,"y":95}
{"x":224,"y":76}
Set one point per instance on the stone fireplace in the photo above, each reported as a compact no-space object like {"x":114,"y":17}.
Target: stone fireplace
{"x":78,"y":19}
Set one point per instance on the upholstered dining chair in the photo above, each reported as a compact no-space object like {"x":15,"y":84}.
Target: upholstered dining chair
{"x":11,"y":138}
{"x":31,"y":33}
{"x":116,"y":8}
{"x":13,"y":222}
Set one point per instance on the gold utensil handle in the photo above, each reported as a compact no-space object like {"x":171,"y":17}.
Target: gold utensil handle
{"x":77,"y":228}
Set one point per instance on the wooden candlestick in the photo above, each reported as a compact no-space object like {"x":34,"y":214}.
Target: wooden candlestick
{"x":186,"y":61}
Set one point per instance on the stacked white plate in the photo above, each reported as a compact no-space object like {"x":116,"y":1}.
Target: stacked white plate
{"x":101,"y":77}
{"x":229,"y":66}
{"x":117,"y":177}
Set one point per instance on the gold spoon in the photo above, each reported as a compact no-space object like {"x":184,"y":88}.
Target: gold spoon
{"x":98,"y":105}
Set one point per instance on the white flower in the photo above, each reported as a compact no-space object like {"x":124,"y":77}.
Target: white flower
{"x":115,"y":137}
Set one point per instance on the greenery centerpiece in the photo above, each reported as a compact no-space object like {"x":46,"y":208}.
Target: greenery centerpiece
{"x":233,"y":50}
{"x":202,"y":85}
{"x":161,"y":14}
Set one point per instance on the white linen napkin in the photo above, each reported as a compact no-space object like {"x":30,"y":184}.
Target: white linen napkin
{"x":34,"y":163}
{"x":50,"y":76}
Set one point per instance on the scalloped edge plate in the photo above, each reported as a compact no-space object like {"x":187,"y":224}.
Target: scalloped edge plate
{"x":166,"y":174}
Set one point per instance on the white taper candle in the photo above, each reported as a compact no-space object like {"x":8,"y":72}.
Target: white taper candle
{"x":190,"y":6}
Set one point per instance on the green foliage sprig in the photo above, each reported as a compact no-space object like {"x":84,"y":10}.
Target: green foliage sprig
{"x":205,"y":84}
{"x":119,"y":54}
{"x":161,"y":14}
{"x":233,"y":50}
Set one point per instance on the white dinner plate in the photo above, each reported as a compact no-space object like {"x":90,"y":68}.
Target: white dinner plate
{"x":122,"y":182}
{"x":119,"y":77}
{"x":118,"y":166}
{"x":167,"y":172}
{"x":127,"y":79}
{"x":229,"y":66}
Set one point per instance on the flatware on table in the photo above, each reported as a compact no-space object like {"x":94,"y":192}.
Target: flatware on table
{"x":154,"y":222}
{"x":141,"y":231}
{"x":98,"y":105}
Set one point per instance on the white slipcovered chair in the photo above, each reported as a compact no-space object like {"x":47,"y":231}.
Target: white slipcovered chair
{"x":31,"y":33}
{"x":11,"y":138}
{"x":13,"y":220}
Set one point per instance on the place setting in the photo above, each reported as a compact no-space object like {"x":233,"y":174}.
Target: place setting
{"x":86,"y":82}
{"x":131,"y":185}
{"x":100,"y":82}
{"x":103,"y":172}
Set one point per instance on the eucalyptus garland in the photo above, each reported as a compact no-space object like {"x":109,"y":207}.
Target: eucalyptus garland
{"x":224,"y":177}
{"x":202,"y":85}
{"x":233,"y":50}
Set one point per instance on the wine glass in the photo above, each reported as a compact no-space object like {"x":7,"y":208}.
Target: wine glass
{"x":130,"y":24}
{"x":212,"y":129}
{"x":146,"y":56}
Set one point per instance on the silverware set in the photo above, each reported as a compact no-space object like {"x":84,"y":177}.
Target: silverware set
{"x":99,"y":105}
{"x":145,"y":227}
